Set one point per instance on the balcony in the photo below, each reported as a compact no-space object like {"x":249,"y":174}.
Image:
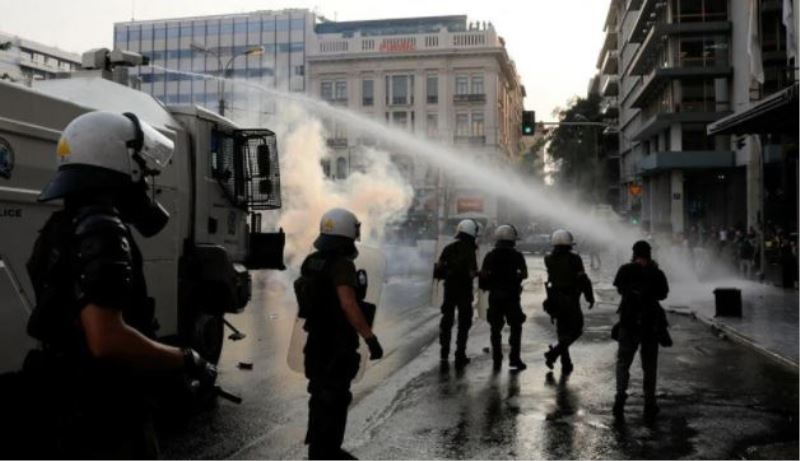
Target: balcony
{"x":633,"y":5}
{"x":685,"y":160}
{"x":661,"y":121}
{"x":609,"y":86}
{"x":653,"y":84}
{"x":471,"y":97}
{"x":610,"y":63}
{"x":336,"y":143}
{"x":469,"y":140}
{"x":609,"y":107}
{"x":649,"y":51}
{"x":650,"y":12}
{"x":341,"y":101}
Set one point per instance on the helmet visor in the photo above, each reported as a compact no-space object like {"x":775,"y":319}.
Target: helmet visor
{"x":156,"y":147}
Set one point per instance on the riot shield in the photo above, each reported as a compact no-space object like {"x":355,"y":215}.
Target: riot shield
{"x":371,"y":262}
{"x":481,"y":296}
{"x":437,"y":291}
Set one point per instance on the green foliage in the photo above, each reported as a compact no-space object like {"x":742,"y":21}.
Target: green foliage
{"x":576,"y":149}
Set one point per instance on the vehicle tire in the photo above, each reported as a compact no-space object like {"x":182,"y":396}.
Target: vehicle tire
{"x":205,"y":333}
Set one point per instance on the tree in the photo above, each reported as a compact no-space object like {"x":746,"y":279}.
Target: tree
{"x":576,"y":149}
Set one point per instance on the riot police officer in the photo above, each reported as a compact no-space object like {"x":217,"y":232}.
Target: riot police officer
{"x":642,"y":325}
{"x":502,"y":273}
{"x":458,"y":267}
{"x":93,"y":317}
{"x":567,"y":280}
{"x":334,"y":321}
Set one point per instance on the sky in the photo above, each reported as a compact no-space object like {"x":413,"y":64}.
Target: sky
{"x":554,"y":43}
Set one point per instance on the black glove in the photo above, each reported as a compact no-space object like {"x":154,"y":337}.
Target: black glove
{"x":375,"y":349}
{"x":198,"y":369}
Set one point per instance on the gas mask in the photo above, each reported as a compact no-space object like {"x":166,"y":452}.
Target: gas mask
{"x":151,"y":152}
{"x":139,"y":208}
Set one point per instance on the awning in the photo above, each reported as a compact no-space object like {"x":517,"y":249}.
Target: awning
{"x":777,"y":114}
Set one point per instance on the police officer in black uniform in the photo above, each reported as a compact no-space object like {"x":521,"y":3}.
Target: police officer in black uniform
{"x":93,"y":317}
{"x":502,"y":273}
{"x":458,"y":267}
{"x":567,"y":280}
{"x":642,"y":325}
{"x":330,"y":299}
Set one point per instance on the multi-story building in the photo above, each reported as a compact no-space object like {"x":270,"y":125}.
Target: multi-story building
{"x":264,"y":47}
{"x":22,"y":59}
{"x":441,"y":77}
{"x":679,"y":66}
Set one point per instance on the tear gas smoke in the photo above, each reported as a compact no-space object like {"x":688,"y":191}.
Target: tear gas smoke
{"x":376,"y":191}
{"x":467,"y":167}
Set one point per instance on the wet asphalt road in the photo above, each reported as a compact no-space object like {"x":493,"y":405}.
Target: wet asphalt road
{"x":718,"y":399}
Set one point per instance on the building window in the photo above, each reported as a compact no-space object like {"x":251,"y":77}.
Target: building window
{"x":341,"y":168}
{"x":702,"y":51}
{"x":694,"y":137}
{"x":299,"y":70}
{"x":697,"y":96}
{"x":326,"y":167}
{"x":462,"y":84}
{"x":699,"y":10}
{"x":367,"y":92}
{"x":432,"y":89}
{"x":340,"y":90}
{"x":400,"y":89}
{"x":432,"y":125}
{"x":462,"y":124}
{"x":477,"y":124}
{"x":326,"y":91}
{"x":400,"y":119}
{"x":477,"y":84}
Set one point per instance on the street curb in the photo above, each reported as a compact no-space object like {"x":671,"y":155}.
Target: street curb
{"x":739,"y":338}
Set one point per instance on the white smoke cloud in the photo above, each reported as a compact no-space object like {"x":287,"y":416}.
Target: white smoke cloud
{"x":378,"y":195}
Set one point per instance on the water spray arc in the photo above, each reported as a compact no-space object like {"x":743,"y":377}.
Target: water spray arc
{"x":529,"y":197}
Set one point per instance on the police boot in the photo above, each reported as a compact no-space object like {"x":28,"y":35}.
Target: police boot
{"x":497,"y":362}
{"x":650,"y":408}
{"x":549,"y":357}
{"x":461,"y":360}
{"x":619,"y":407}
{"x":567,"y":367}
{"x":517,"y":363}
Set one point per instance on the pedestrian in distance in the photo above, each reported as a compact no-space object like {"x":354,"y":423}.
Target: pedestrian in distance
{"x":642,"y":325}
{"x":93,"y":317}
{"x":502,"y":273}
{"x":330,"y":297}
{"x":566,"y":281}
{"x":458,"y":267}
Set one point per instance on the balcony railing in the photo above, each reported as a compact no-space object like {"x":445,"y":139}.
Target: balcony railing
{"x":470,"y":97}
{"x":470,"y":139}
{"x":336,"y":142}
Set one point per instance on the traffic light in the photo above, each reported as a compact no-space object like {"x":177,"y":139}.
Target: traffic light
{"x":528,"y":122}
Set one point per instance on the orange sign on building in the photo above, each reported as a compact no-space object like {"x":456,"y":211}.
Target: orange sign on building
{"x":467,"y":204}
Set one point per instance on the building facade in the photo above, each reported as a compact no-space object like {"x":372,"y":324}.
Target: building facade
{"x":265,"y":47}
{"x":23,"y":59}
{"x":443,"y":78}
{"x":672,"y":67}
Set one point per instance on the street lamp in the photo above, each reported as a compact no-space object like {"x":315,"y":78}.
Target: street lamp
{"x":254,"y":51}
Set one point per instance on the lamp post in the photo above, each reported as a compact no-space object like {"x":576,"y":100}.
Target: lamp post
{"x":254,"y":51}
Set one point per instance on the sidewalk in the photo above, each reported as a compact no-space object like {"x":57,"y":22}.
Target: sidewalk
{"x":769,"y":321}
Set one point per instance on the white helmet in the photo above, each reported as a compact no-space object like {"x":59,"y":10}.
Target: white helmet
{"x":468,"y":226}
{"x":106,"y":150}
{"x":341,"y":223}
{"x":562,"y":237}
{"x":506,"y":233}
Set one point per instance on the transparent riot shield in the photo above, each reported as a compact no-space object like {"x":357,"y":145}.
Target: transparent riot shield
{"x":481,"y":297}
{"x":437,"y":292}
{"x":371,"y":262}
